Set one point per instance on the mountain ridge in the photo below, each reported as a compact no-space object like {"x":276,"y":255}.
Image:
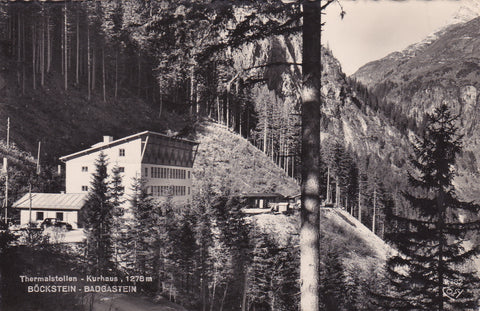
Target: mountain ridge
{"x":444,"y":71}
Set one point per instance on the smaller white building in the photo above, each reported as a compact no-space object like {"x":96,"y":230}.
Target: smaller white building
{"x":62,"y":206}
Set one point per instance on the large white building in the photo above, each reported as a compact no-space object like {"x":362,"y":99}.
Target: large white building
{"x":164,"y":163}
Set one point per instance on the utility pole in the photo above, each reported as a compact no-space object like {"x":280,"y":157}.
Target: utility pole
{"x":8,"y":132}
{"x":328,"y":185}
{"x":374,"y":208}
{"x":5,"y":169}
{"x":5,"y":202}
{"x":38,"y":157}
{"x":30,"y":206}
{"x":359,"y":206}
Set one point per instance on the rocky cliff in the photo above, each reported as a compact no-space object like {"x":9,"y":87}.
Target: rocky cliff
{"x":347,"y":117}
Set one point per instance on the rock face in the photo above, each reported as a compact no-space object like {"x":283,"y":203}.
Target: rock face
{"x":366,"y":132}
{"x":346,"y":117}
{"x":443,"y":70}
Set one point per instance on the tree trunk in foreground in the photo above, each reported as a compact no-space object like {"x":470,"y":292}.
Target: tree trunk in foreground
{"x":310,"y":213}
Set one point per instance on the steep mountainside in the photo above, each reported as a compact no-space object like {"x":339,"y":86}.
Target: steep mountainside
{"x":348,"y":118}
{"x":445,"y":70}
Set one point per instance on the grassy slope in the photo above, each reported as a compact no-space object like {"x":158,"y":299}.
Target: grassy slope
{"x":337,"y":227}
{"x":359,"y":249}
{"x":225,"y":158}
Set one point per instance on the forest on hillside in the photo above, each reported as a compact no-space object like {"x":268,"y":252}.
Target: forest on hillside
{"x":154,"y":61}
{"x":175,"y":64}
{"x":183,"y":59}
{"x":235,"y":65}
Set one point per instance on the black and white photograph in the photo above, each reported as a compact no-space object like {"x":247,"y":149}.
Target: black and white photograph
{"x":251,"y":155}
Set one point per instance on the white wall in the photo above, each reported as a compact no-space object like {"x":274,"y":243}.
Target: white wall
{"x":75,"y":178}
{"x":70,"y":217}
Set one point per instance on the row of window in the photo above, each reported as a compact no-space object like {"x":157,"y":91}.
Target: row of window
{"x":163,"y":191}
{"x":120,"y":169}
{"x":160,"y":191}
{"x":167,"y":173}
{"x":58,"y":215}
{"x":85,"y":189}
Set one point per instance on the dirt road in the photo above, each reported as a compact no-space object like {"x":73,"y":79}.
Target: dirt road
{"x":133,"y":303}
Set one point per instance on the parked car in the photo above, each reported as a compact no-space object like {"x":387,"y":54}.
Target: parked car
{"x":54,"y":222}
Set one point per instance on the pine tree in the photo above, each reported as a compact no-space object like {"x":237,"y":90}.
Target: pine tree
{"x":273,"y":278}
{"x":183,"y":255}
{"x":204,"y":237}
{"x":116,"y":199}
{"x":234,"y":235}
{"x":116,"y":191}
{"x":98,"y":216}
{"x":332,"y":285}
{"x":264,"y":272}
{"x":143,"y":228}
{"x":432,"y":257}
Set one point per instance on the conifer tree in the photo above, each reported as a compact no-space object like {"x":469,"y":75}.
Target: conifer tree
{"x":332,"y":285}
{"x":264,"y":274}
{"x":203,"y":231}
{"x":98,"y":214}
{"x":273,"y":276}
{"x":143,"y":228}
{"x":430,"y":270}
{"x":183,"y":254}
{"x":116,"y":191}
{"x":234,"y":235}
{"x":116,"y":199}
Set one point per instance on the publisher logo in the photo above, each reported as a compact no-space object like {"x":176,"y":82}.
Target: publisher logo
{"x":453,"y":289}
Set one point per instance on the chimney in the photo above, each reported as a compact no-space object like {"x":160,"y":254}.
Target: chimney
{"x":107,"y":139}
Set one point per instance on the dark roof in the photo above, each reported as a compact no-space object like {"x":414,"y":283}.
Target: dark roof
{"x":59,"y":201}
{"x":294,"y":196}
{"x":102,"y":146}
{"x":262,"y":195}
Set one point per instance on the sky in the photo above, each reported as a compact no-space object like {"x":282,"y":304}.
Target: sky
{"x":371,"y":29}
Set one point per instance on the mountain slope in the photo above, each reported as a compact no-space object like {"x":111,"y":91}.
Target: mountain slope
{"x":348,"y":118}
{"x":337,"y":227}
{"x":352,"y":258}
{"x":226,"y":159}
{"x":444,"y":71}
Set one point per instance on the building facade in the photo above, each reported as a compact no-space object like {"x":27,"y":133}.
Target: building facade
{"x":36,"y":207}
{"x":164,"y":163}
